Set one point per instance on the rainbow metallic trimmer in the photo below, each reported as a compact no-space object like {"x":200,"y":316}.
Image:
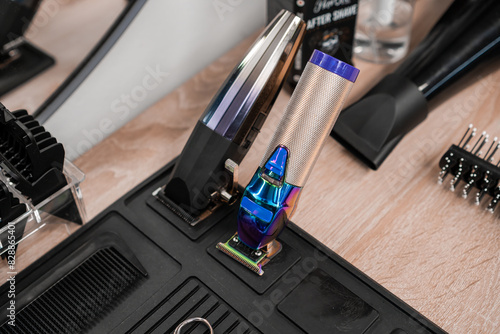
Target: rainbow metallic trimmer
{"x":272,"y":195}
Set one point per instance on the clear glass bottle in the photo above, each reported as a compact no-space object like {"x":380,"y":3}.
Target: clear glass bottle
{"x":383,"y":30}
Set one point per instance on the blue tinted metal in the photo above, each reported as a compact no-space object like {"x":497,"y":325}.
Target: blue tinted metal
{"x":253,"y":77}
{"x":280,"y":201}
{"x":277,"y":163}
{"x":256,"y":210}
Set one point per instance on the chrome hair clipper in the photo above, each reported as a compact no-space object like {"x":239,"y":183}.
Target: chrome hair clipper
{"x":205,"y":173}
{"x":271,"y":196}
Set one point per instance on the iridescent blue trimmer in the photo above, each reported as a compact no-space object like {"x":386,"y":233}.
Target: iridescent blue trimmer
{"x":272,"y":195}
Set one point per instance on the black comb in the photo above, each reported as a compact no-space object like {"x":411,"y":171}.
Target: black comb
{"x":30,"y":156}
{"x":10,"y":209}
{"x":81,"y":298}
{"x":474,"y":165}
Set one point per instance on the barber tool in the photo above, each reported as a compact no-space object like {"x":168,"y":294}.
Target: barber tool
{"x":19,"y":60}
{"x":468,"y":34}
{"x":472,"y":162}
{"x":29,"y":155}
{"x":271,"y":197}
{"x":205,"y":174}
{"x":33,"y":161}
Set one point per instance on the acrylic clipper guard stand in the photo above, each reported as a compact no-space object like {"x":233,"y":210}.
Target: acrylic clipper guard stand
{"x":46,"y":212}
{"x":138,"y":267}
{"x":37,"y":186}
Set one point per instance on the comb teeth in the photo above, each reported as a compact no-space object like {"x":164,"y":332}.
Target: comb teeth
{"x":467,"y":163}
{"x":29,"y":155}
{"x":81,"y":298}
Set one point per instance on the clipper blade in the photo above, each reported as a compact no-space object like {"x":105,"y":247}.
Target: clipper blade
{"x":253,"y":259}
{"x":175,"y":208}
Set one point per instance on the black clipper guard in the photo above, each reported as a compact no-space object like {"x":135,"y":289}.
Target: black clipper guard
{"x":34,"y":162}
{"x":10,"y":209}
{"x":31,"y":157}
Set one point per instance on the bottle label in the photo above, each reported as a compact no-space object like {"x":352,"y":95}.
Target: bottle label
{"x":330,"y":28}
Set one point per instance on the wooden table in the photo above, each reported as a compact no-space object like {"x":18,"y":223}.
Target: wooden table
{"x":434,"y":250}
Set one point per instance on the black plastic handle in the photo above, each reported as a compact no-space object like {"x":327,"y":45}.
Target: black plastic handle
{"x":480,"y":41}
{"x":452,"y":24}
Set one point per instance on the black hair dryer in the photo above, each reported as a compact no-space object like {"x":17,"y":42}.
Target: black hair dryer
{"x":466,"y":35}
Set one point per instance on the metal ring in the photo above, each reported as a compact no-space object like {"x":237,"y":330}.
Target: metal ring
{"x":188,"y":321}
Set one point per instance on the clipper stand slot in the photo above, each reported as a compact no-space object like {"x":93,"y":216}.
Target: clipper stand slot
{"x":259,"y":272}
{"x":221,"y":205}
{"x":223,"y":196}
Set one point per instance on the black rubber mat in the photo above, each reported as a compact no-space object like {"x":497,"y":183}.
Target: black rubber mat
{"x":306,"y":289}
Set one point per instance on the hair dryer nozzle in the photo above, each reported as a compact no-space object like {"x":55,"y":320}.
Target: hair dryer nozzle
{"x":372,"y":127}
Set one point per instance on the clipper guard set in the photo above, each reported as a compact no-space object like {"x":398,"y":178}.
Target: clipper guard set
{"x":30,"y":156}
{"x":33,"y":182}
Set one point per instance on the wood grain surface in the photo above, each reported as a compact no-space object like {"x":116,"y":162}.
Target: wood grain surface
{"x":434,"y":250}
